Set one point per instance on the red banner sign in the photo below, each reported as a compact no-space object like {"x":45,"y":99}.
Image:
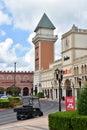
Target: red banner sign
{"x":70,"y":103}
{"x":67,"y":71}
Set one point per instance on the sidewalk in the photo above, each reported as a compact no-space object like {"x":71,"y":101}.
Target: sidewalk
{"x":39,"y":123}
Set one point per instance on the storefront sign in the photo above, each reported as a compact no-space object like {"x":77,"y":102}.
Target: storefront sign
{"x":67,"y":71}
{"x":70,"y":103}
{"x":26,"y":81}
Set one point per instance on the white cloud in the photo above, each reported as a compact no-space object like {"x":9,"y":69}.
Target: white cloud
{"x":2,"y":33}
{"x":30,"y":39}
{"x":6,"y":53}
{"x":58,"y":47}
{"x":20,"y":47}
{"x":63,"y":12}
{"x":8,"y":56}
{"x":29,"y":58}
{"x":4,"y":18}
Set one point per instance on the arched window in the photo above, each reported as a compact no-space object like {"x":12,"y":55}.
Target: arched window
{"x":74,"y":70}
{"x":82,"y":69}
{"x":1,"y":77}
{"x":85,"y":68}
{"x":26,"y":77}
{"x":77,"y":70}
{"x":18,"y":77}
{"x":9,"y":77}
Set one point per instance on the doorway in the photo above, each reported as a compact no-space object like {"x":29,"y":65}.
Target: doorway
{"x":68,"y":87}
{"x":25,"y":91}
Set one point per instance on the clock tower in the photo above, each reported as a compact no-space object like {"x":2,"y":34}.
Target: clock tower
{"x":44,"y":43}
{"x":44,"y":48}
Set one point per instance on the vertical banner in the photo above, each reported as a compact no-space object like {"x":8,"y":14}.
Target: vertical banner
{"x":70,"y":103}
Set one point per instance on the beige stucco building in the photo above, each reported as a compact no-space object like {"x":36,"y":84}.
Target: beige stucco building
{"x":74,"y":46}
{"x":73,"y":63}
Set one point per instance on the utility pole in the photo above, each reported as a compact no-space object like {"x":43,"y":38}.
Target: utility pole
{"x":15,"y":74}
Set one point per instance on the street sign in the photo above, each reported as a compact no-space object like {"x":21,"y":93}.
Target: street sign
{"x":70,"y":103}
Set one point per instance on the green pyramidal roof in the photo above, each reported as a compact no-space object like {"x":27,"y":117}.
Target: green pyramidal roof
{"x":45,"y":23}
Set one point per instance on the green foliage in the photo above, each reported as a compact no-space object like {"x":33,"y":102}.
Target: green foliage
{"x":10,"y":102}
{"x":82,"y":101}
{"x":67,"y":120}
{"x":14,"y":98}
{"x":14,"y":101}
{"x":1,"y":90}
{"x":40,"y":95}
{"x":13,"y":90}
{"x":4,"y":103}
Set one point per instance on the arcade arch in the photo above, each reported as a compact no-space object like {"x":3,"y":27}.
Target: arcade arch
{"x":67,"y":85}
{"x":25,"y":91}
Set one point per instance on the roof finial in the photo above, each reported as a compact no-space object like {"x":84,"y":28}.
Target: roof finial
{"x":74,"y":27}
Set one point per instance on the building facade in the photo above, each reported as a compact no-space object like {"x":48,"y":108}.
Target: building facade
{"x":74,"y":54}
{"x":73,"y":63}
{"x":23,"y":80}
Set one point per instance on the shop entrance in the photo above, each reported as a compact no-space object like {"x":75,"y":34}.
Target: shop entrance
{"x":68,"y":87}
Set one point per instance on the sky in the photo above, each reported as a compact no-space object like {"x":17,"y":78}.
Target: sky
{"x":18,"y":20}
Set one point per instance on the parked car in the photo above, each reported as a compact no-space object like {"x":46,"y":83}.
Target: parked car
{"x":4,"y":97}
{"x":1,"y":95}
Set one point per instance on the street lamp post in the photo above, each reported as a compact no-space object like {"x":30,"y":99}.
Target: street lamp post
{"x":15,"y":74}
{"x":59,"y":78}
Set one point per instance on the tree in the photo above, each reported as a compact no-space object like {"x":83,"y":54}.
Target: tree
{"x":2,"y":90}
{"x":82,"y":101}
{"x":13,"y":90}
{"x":40,"y":95}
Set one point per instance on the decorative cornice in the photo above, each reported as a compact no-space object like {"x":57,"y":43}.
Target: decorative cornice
{"x":24,"y":72}
{"x":40,"y":37}
{"x":74,"y":29}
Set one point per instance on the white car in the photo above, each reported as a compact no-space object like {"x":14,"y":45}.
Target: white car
{"x":4,"y":97}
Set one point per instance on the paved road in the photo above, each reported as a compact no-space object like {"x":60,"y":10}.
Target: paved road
{"x":8,"y":116}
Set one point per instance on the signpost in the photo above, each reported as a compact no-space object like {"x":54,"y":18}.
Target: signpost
{"x":70,"y":103}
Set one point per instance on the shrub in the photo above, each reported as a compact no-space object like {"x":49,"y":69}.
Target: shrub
{"x":4,"y":103}
{"x":14,"y":98}
{"x":82,"y":101}
{"x":1,"y":90}
{"x":14,"y":101}
{"x":40,"y":95}
{"x":68,"y":120}
{"x":10,"y":102}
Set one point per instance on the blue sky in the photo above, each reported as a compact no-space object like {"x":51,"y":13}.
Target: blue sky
{"x":19,"y":18}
